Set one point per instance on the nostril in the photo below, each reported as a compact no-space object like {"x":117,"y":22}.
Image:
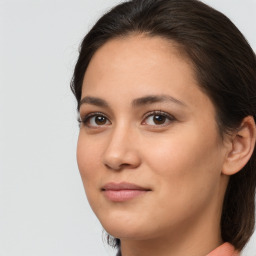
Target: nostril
{"x":117,"y":167}
{"x":125,"y":165}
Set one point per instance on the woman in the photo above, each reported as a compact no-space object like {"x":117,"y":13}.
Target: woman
{"x":166,"y":93}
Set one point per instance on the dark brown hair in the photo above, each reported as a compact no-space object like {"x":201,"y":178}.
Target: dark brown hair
{"x":225,"y":67}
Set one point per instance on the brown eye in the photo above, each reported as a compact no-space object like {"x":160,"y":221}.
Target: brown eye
{"x":96,"y":120}
{"x":158,"y":118}
{"x":100,"y":120}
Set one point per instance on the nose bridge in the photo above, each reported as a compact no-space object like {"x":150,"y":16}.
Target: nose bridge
{"x":121,"y":147}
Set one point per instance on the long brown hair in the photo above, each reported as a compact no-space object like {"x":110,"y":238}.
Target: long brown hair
{"x":225,"y":66}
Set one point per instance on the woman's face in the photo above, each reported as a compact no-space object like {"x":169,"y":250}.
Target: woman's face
{"x":149,"y":152}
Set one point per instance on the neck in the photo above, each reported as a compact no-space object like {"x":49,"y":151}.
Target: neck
{"x":180,"y":243}
{"x":167,"y":247}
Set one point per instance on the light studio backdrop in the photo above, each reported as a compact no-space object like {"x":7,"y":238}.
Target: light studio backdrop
{"x":43,"y":208}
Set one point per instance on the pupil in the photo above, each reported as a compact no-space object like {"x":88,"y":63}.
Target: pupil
{"x":100,"y":120}
{"x":159,"y":119}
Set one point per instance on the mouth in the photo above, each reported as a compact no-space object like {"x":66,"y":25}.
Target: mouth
{"x":120,"y":192}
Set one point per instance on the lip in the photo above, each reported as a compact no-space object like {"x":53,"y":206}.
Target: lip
{"x":120,"y":192}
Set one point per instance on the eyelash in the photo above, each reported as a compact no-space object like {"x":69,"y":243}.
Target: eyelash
{"x":84,"y":120}
{"x":169,"y":117}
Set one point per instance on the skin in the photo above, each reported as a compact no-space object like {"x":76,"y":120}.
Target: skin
{"x":181,"y":160}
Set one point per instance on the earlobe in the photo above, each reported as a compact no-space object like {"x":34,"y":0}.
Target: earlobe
{"x":242,"y":146}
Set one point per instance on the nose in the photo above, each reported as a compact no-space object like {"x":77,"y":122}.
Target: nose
{"x":121,"y":150}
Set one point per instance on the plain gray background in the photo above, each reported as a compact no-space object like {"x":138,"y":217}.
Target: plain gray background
{"x":43,"y":208}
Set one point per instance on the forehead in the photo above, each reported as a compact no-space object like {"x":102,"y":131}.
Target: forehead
{"x":138,"y":51}
{"x":139,"y":65}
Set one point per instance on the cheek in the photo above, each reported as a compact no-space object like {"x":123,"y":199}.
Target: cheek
{"x":186,"y":164}
{"x":88,"y":159}
{"x":186,"y":173}
{"x":186,"y":149}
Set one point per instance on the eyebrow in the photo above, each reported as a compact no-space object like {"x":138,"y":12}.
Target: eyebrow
{"x":93,"y":101}
{"x":146,"y":100}
{"x":150,"y":99}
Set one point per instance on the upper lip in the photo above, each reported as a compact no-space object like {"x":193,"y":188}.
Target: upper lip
{"x":123,"y":186}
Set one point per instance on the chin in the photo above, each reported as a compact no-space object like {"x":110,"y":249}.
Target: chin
{"x":121,"y":228}
{"x":128,"y":228}
{"x":128,"y":234}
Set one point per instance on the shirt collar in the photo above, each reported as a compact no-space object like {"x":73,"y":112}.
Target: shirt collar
{"x":225,"y":249}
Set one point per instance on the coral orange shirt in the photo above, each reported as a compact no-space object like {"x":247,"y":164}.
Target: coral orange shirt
{"x":225,"y":249}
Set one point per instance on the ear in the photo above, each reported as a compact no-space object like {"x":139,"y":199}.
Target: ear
{"x":241,"y":147}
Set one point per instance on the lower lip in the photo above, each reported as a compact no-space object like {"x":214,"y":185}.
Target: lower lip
{"x":123,"y":195}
